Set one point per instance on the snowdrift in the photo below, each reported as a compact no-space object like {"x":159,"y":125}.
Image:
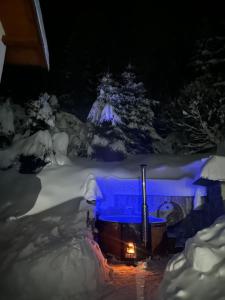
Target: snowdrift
{"x":169,"y":174}
{"x":52,"y":256}
{"x":214,"y":169}
{"x":199,"y":271}
{"x":60,"y":184}
{"x":68,"y":271}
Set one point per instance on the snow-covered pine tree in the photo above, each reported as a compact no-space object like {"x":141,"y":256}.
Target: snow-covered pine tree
{"x":40,"y":119}
{"x":137,"y":116}
{"x":40,"y":113}
{"x":200,"y":108}
{"x":106,"y":136}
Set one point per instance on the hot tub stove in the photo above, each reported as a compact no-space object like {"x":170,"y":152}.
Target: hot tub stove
{"x":117,"y":232}
{"x":134,"y":234}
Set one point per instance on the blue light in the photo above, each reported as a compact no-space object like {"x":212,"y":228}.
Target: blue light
{"x":122,"y":198}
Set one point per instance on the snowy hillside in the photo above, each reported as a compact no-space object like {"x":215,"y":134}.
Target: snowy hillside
{"x":199,"y":271}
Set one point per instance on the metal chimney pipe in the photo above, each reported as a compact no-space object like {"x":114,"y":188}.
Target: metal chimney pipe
{"x":144,"y":207}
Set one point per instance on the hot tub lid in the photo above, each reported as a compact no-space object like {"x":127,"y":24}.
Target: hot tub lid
{"x":129,"y":219}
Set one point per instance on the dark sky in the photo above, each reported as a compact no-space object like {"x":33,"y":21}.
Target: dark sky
{"x":90,"y":38}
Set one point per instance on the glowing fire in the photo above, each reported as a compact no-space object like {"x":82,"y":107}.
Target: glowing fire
{"x":130,"y":250}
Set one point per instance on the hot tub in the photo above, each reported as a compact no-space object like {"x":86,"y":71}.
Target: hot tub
{"x":115,"y":232}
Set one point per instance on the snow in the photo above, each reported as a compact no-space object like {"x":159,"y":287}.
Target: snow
{"x":199,"y":271}
{"x":80,"y":178}
{"x":40,"y":110}
{"x":53,"y":256}
{"x":97,"y":140}
{"x":77,"y":264}
{"x":95,"y":112}
{"x":38,"y":144}
{"x":118,"y":146}
{"x":54,"y":234}
{"x":19,"y":192}
{"x":198,"y":200}
{"x":76,"y":131}
{"x":214,"y":168}
{"x":60,"y":144}
{"x":108,"y":115}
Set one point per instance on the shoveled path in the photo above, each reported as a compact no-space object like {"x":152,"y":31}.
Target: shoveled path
{"x":135,"y":283}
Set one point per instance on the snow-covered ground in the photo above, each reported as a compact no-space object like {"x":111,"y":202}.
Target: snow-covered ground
{"x":48,"y":251}
{"x":199,"y":271}
{"x":51,"y":255}
{"x":135,"y":282}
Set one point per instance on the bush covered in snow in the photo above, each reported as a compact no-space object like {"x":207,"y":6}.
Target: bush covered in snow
{"x":77,"y":133}
{"x":197,"y":115}
{"x":40,"y":113}
{"x":30,"y":135}
{"x":36,"y":146}
{"x":199,"y":271}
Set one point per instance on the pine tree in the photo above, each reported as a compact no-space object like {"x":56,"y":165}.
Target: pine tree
{"x":106,"y":136}
{"x":105,"y":108}
{"x":136,"y":111}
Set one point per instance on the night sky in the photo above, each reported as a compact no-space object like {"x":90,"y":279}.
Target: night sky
{"x":89,"y":39}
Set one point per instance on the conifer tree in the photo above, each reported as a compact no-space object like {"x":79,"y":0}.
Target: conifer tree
{"x":137,"y":116}
{"x":200,"y":108}
{"x":106,"y":136}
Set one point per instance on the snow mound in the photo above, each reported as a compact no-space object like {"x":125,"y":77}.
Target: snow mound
{"x":76,"y":131}
{"x":60,"y":144}
{"x":199,"y":271}
{"x":52,"y":257}
{"x":171,"y":175}
{"x":214,"y":168}
{"x":108,"y":115}
{"x":70,"y":270}
{"x":38,"y":144}
{"x":61,"y":184}
{"x":80,"y":179}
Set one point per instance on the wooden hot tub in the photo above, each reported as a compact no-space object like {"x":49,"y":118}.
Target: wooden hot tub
{"x":115,"y":232}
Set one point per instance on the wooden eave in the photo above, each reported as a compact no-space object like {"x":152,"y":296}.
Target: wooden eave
{"x":23,"y":33}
